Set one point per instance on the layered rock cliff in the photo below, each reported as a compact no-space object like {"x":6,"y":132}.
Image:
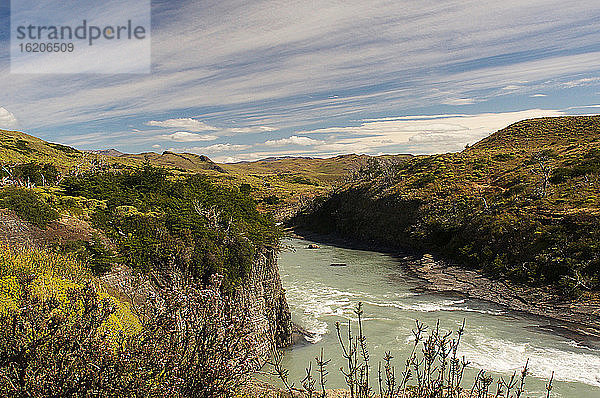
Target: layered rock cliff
{"x":262,"y":298}
{"x":259,"y":298}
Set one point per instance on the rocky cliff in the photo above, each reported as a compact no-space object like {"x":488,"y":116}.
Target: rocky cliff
{"x":262,"y":298}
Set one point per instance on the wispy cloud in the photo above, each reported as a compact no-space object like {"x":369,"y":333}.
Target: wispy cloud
{"x":581,"y":82}
{"x":182,"y":123}
{"x":216,"y":148}
{"x":458,"y":101}
{"x":193,"y":125}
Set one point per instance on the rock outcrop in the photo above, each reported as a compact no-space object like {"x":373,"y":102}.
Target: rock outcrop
{"x":259,"y":298}
{"x":262,"y":298}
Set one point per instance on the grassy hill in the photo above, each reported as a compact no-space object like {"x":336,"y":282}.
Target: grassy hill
{"x":283,"y":183}
{"x":522,"y":203}
{"x":18,"y":147}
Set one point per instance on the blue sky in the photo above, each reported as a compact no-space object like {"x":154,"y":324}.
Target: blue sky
{"x":243,"y":80}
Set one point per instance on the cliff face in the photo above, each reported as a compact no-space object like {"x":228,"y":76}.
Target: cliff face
{"x":262,"y":298}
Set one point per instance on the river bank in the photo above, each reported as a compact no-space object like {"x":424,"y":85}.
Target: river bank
{"x":577,"y":319}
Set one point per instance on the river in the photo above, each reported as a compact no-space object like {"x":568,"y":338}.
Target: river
{"x":495,"y":339}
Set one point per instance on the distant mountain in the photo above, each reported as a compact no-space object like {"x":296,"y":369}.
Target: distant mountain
{"x":274,"y":158}
{"x":105,"y":152}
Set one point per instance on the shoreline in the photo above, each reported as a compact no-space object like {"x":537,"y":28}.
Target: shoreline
{"x":578,"y":320}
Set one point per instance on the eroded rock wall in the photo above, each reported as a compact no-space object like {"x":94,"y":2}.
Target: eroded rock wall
{"x":262,"y":299}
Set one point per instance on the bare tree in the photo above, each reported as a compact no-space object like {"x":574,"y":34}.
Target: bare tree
{"x":544,"y":170}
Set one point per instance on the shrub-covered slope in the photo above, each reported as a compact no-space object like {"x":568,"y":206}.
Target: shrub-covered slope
{"x":156,"y":220}
{"x":523,"y":203}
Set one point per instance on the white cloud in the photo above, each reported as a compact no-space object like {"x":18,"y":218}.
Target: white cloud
{"x":293,"y":140}
{"x":7,"y":119}
{"x":184,"y":136}
{"x":538,"y":95}
{"x":511,"y":87}
{"x":156,"y":146}
{"x":182,"y":123}
{"x":422,"y":134}
{"x":584,"y":107}
{"x":458,"y":101}
{"x":247,"y":130}
{"x":194,"y":125}
{"x":216,"y":148}
{"x":582,"y":82}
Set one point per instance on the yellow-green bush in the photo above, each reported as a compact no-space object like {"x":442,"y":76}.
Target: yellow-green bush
{"x":51,"y":276}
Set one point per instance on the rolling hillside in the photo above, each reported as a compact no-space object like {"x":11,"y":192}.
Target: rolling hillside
{"x":18,"y":147}
{"x":275,"y":183}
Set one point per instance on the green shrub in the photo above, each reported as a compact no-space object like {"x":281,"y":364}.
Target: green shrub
{"x":271,"y":200}
{"x":27,"y":204}
{"x":302,"y":180}
{"x":93,"y":253}
{"x":503,"y":157}
{"x":590,"y":164}
{"x":245,"y":188}
{"x":33,"y":173}
{"x":155,"y":221}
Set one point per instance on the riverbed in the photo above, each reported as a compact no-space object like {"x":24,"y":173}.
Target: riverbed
{"x":496,"y":339}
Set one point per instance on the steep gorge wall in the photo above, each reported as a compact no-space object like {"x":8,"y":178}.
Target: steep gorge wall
{"x":260,"y":296}
{"x":262,"y":299}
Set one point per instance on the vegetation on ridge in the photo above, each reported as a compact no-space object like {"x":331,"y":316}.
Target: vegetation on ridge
{"x":155,"y":220}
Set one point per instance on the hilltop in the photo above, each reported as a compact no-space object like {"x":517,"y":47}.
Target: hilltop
{"x":18,"y":147}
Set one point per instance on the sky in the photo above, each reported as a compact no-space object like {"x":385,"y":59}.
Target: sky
{"x":244,"y":80}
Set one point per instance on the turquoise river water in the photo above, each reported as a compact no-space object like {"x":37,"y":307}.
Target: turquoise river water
{"x":497,"y":340}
